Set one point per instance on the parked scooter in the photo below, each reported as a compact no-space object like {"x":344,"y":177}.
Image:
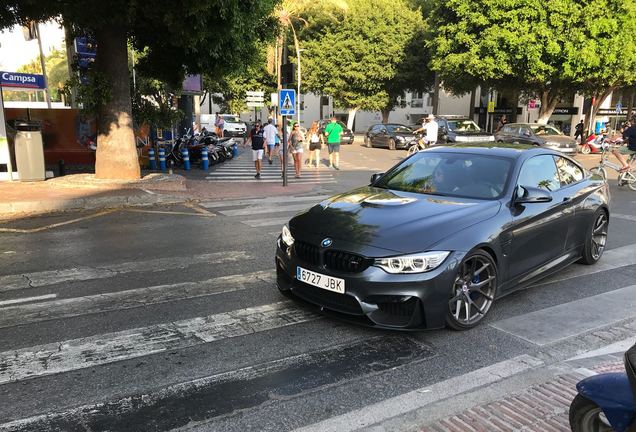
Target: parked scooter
{"x":607,"y":402}
{"x":594,"y":144}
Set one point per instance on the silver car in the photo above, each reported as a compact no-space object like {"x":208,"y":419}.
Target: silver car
{"x":538,"y":135}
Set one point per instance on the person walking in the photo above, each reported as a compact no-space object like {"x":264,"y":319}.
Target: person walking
{"x":277,"y":146}
{"x":502,"y":122}
{"x":295,"y":144}
{"x":578,"y":130}
{"x":314,"y":144}
{"x":257,"y":140}
{"x":269,"y":131}
{"x":219,"y":122}
{"x":333,"y":132}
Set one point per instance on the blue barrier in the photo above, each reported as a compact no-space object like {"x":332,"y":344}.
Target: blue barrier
{"x":205,"y":164}
{"x":162,"y":159}
{"x":151,"y":159}
{"x":186,"y":158}
{"x":234,"y":150}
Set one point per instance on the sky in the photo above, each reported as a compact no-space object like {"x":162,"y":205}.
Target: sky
{"x":15,"y":51}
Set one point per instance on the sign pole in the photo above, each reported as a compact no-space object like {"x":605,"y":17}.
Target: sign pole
{"x":284,"y":126}
{"x":47,"y":92}
{"x":5,"y":153}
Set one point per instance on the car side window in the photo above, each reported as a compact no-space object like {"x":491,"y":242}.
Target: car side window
{"x":376,"y":129}
{"x":525,"y":131}
{"x":507,"y":129}
{"x":540,"y":172}
{"x":569,"y":172}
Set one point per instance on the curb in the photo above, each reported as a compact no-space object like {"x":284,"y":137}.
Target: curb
{"x":32,"y":208}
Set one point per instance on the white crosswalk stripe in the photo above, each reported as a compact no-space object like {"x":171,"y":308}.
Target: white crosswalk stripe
{"x":242,"y":170}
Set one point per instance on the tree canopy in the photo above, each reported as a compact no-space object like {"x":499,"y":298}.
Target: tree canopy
{"x":547,"y":48}
{"x":370,"y":57}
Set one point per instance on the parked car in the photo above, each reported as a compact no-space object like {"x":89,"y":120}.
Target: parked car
{"x":444,"y":233}
{"x":347,"y":134}
{"x":459,"y":129}
{"x":390,"y":135}
{"x":233,"y":126}
{"x":538,"y":135}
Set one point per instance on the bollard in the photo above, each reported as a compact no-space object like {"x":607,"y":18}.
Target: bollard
{"x":186,"y":158}
{"x":171,"y":167}
{"x":234,"y":150}
{"x":151,"y":159}
{"x":162,"y":159}
{"x":61,"y":167}
{"x":205,"y":164}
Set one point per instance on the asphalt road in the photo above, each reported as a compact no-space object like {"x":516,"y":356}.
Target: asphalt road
{"x":168,"y":318}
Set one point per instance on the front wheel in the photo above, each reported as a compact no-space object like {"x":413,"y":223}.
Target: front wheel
{"x":391,"y":144}
{"x":473,"y":291}
{"x":585,"y":149}
{"x":599,"y":171}
{"x":413,"y":149}
{"x":587,"y":416}
{"x":628,"y":178}
{"x":596,"y":238}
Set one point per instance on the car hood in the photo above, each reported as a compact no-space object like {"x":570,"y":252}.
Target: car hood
{"x":371,"y":220}
{"x":560,"y":139}
{"x":471,"y":133}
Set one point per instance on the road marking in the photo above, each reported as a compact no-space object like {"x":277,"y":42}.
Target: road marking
{"x":55,"y":225}
{"x":257,"y":223}
{"x":419,"y":398}
{"x":27,"y":299}
{"x":567,"y":320}
{"x":129,"y":299}
{"x":57,"y":357}
{"x":51,"y":277}
{"x":251,"y":210}
{"x":250,"y":201}
{"x":623,"y":216}
{"x":199,"y":209}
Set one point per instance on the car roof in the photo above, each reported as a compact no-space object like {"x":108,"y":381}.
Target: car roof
{"x":453,"y":117}
{"x":508,"y":150}
{"x":528,"y":124}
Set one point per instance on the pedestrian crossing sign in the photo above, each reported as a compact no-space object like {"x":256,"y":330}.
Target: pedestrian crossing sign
{"x":287,"y":102}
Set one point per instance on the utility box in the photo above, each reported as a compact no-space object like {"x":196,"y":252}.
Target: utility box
{"x":29,"y":152}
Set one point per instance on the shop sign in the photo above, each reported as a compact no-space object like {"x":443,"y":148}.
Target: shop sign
{"x":22,"y":80}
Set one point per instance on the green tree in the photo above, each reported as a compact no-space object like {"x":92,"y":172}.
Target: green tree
{"x":178,"y":38}
{"x":56,"y":71}
{"x":550,"y":49}
{"x":372,"y":56}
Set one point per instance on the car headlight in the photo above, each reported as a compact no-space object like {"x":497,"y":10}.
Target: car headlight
{"x":400,"y":138}
{"x":286,"y":236}
{"x":418,"y":263}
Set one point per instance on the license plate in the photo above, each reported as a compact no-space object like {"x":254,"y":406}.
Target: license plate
{"x":320,"y":280}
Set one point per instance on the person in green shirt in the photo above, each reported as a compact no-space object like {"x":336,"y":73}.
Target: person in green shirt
{"x":333,"y":132}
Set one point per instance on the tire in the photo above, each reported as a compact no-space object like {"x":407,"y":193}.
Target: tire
{"x":628,"y":178}
{"x":367,"y":142}
{"x":585,"y":416}
{"x":599,"y":171}
{"x":391,"y":144}
{"x":585,"y":149}
{"x":595,"y":239}
{"x":474,"y":290}
{"x":412,"y":150}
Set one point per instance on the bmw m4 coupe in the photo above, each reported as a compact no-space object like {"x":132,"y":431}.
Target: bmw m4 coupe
{"x":438,"y":238}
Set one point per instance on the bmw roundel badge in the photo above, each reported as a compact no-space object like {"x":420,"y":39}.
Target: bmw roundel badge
{"x":326,"y":242}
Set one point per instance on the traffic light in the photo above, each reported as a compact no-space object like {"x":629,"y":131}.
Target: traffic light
{"x":287,"y":73}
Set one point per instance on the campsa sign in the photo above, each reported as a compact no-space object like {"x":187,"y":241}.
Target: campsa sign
{"x":22,"y":80}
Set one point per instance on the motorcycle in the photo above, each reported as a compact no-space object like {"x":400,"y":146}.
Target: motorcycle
{"x":607,"y":402}
{"x":594,"y":144}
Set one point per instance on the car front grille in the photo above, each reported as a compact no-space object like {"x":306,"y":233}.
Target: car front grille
{"x":332,"y":259}
{"x":328,"y":299}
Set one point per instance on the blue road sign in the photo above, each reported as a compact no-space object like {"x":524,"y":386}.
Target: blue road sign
{"x":22,"y":80}
{"x":287,"y":102}
{"x":619,"y":108}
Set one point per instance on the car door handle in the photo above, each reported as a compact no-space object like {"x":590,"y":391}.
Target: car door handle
{"x":566,"y":201}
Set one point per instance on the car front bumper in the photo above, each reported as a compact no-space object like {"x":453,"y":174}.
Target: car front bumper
{"x":234,"y":133}
{"x":373,"y":297}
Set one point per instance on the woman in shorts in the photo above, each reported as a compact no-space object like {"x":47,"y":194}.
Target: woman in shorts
{"x":314,"y":144}
{"x":295,"y":144}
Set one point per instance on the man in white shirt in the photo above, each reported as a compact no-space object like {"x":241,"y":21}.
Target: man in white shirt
{"x":269,"y":132}
{"x":431,"y":128}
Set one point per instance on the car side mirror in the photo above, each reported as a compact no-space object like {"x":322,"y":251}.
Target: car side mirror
{"x":529,"y":195}
{"x":375,"y":177}
{"x":383,"y":131}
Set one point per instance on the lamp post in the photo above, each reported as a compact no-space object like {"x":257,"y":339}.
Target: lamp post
{"x":299,"y":50}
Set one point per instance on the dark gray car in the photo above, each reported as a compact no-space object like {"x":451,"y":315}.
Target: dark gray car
{"x":538,"y":135}
{"x":390,"y":135}
{"x":441,"y":235}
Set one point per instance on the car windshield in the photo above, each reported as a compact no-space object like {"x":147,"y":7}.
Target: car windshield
{"x":463,"y":175}
{"x":398,"y":128}
{"x":463,"y":126}
{"x":544,"y":130}
{"x":231,"y":118}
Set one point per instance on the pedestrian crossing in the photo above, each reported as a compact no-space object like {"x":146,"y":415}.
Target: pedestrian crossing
{"x":241,"y":170}
{"x":255,"y":349}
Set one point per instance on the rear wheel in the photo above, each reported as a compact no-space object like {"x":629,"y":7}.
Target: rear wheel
{"x":473,"y":291}
{"x":596,"y":238}
{"x":413,"y":149}
{"x":628,"y":178}
{"x":585,"y":149}
{"x":587,"y":416}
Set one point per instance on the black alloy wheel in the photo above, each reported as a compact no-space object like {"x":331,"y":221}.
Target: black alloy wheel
{"x":473,"y":291}
{"x":596,"y":238}
{"x":391,"y":144}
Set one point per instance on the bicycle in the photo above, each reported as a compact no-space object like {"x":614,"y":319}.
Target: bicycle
{"x":421,"y":144}
{"x":624,"y":177}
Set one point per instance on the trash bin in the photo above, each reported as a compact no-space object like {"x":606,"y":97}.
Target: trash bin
{"x":29,"y":152}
